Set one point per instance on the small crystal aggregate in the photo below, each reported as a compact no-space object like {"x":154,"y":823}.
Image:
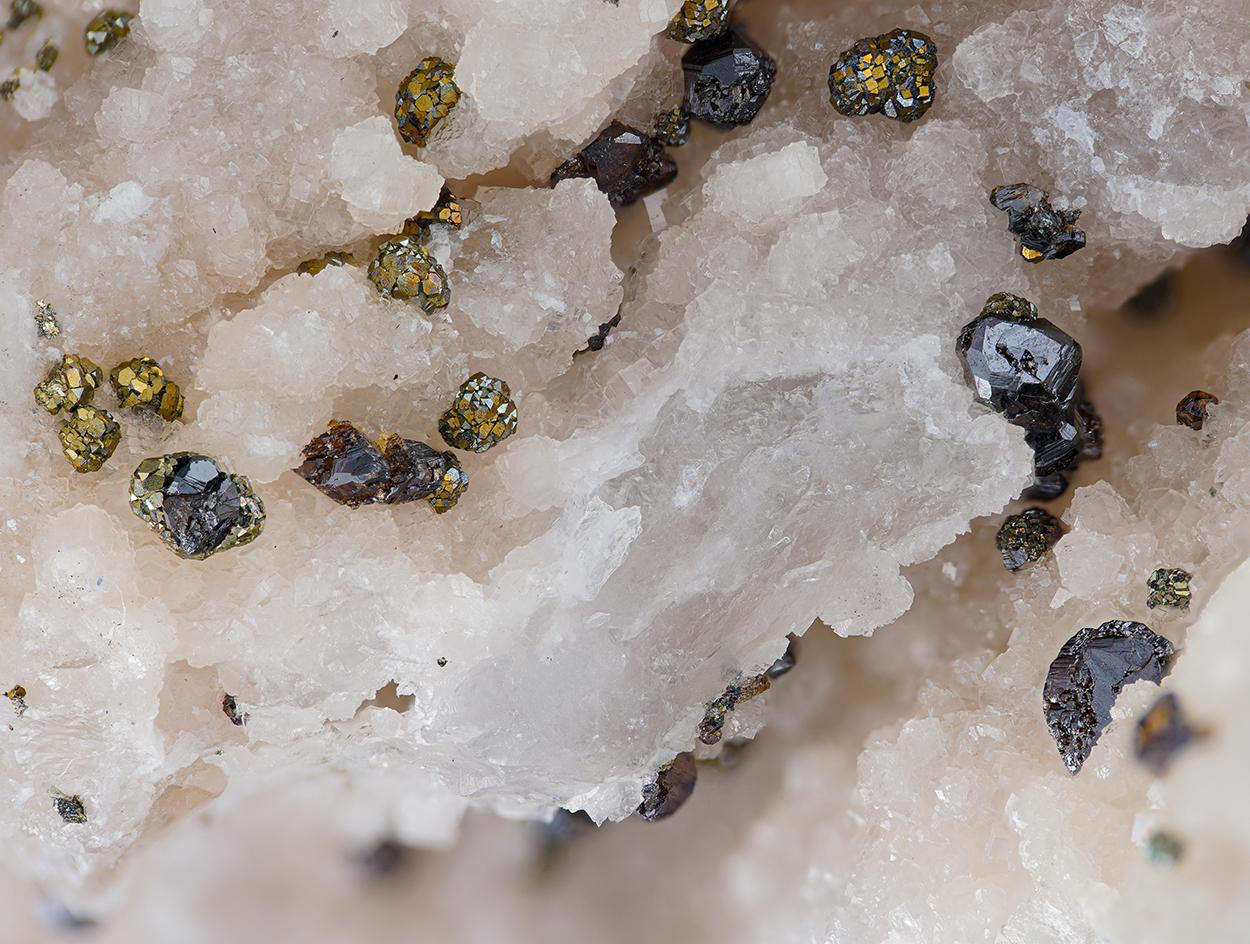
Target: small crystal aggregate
{"x":1169,"y":586}
{"x":448,"y":211}
{"x":70,"y":808}
{"x":1191,"y":411}
{"x":404,"y":269}
{"x":1086,"y":677}
{"x":672,"y":127}
{"x":1161,"y":732}
{"x":714,"y":718}
{"x":425,"y":98}
{"x":193,"y":506}
{"x":891,"y":75}
{"x":1024,"y":539}
{"x":699,"y":19}
{"x":8,"y":88}
{"x":231,"y":709}
{"x":69,"y":384}
{"x":1041,"y":231}
{"x":482,"y":415}
{"x":334,"y":258}
{"x":140,"y":383}
{"x":107,"y":29}
{"x":451,"y":485}
{"x":89,"y":438}
{"x":673,"y":784}
{"x":727,"y":79}
{"x":623,"y":162}
{"x":17,"y":695}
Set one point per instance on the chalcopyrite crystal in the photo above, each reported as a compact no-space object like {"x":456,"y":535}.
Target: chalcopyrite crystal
{"x":1191,"y":411}
{"x":448,"y":211}
{"x":699,"y":19}
{"x":22,"y":10}
{"x":9,"y":87}
{"x":1161,"y":732}
{"x":194,"y":507}
{"x":69,"y":384}
{"x":46,"y":58}
{"x":1086,"y":677}
{"x":141,"y":383}
{"x":672,"y":127}
{"x":710,"y":728}
{"x":1169,"y":586}
{"x":418,"y":471}
{"x":1042,"y":231}
{"x":451,"y":485}
{"x":70,"y":808}
{"x":106,"y":30}
{"x":727,"y":78}
{"x":623,"y":162}
{"x":673,"y":784}
{"x":425,"y":98}
{"x":405,"y":270}
{"x":1024,"y":539}
{"x":89,"y":438}
{"x":482,"y":415}
{"x":335,"y":258}
{"x":891,"y":75}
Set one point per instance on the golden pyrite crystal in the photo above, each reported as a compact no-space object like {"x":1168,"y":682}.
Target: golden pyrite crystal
{"x":482,"y":415}
{"x":890,"y":75}
{"x":141,"y":383}
{"x":425,"y":98}
{"x":405,"y":270}
{"x":699,"y":19}
{"x":106,"y":30}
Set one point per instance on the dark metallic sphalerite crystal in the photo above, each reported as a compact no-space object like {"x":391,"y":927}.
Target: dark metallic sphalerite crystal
{"x":70,"y":808}
{"x":405,"y":269}
{"x":699,"y":19}
{"x":89,"y":438}
{"x":1161,"y":732}
{"x":346,"y":466}
{"x":891,"y":75}
{"x":1087,"y":676}
{"x":673,"y":784}
{"x":417,"y":471}
{"x":425,"y":98}
{"x":107,"y":29}
{"x":448,"y":211}
{"x":1024,"y":539}
{"x":672,"y":127}
{"x":1192,"y":410}
{"x":1043,"y":232}
{"x":482,"y":415}
{"x":625,"y":164}
{"x":1169,"y":586}
{"x":231,"y":708}
{"x":727,"y":78}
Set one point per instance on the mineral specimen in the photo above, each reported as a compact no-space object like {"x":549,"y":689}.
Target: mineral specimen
{"x":417,"y":471}
{"x":17,"y":695}
{"x":45,"y":320}
{"x":727,"y":78}
{"x":1192,"y":410}
{"x":346,"y":466}
{"x":448,"y":211}
{"x":482,"y":415}
{"x":1169,"y":586}
{"x":699,"y":19}
{"x":718,"y":709}
{"x":404,"y":269}
{"x":8,"y":88}
{"x":89,"y":438}
{"x":22,"y":10}
{"x":1164,"y":849}
{"x":46,"y":58}
{"x":1086,"y":677}
{"x":106,"y":30}
{"x":673,"y":784}
{"x":69,"y":384}
{"x":1161,"y":732}
{"x":1154,"y":299}
{"x":672,"y":127}
{"x":334,"y":258}
{"x":785,"y":662}
{"x":890,"y":75}
{"x":450,"y":486}
{"x":625,"y":164}
{"x":1024,"y":539}
{"x":425,"y":98}
{"x":231,"y":708}
{"x":194,"y":507}
{"x":1043,"y":232}
{"x":70,"y":808}
{"x":140,"y":383}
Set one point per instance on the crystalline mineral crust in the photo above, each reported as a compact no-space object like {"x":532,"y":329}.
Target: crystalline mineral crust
{"x":776,"y":431}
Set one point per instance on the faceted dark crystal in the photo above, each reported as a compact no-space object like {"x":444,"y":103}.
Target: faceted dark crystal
{"x":1054,"y":450}
{"x":1024,"y":539}
{"x":1161,"y":732}
{"x":415,"y":470}
{"x":346,"y":466}
{"x":1192,"y":410}
{"x":891,"y":75}
{"x":231,"y":708}
{"x":786,"y":662}
{"x":1046,"y":487}
{"x":22,"y":10}
{"x":1087,"y":676}
{"x":107,"y":29}
{"x":1043,"y":232}
{"x":1089,"y":424}
{"x":727,"y":79}
{"x":70,"y":808}
{"x":672,"y":127}
{"x":674,"y":782}
{"x":625,"y":164}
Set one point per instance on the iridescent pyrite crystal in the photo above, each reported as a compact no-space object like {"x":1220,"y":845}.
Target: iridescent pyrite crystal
{"x":313,"y":266}
{"x":672,"y":127}
{"x":1024,"y":539}
{"x":699,"y":19}
{"x":1192,"y":410}
{"x":1087,"y":676}
{"x":1169,"y":586}
{"x":1042,"y":232}
{"x":673,"y":784}
{"x":727,"y":79}
{"x":448,"y":211}
{"x":405,"y":269}
{"x":194,"y":507}
{"x":69,"y":384}
{"x":350,"y":469}
{"x":141,"y":383}
{"x":106,"y":30}
{"x":89,"y":438}
{"x":624,"y":163}
{"x":425,"y":98}
{"x":482,"y":415}
{"x":890,"y":75}
{"x":450,"y":487}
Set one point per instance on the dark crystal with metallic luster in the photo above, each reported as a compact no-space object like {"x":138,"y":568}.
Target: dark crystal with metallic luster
{"x":451,"y":485}
{"x":22,"y":10}
{"x":107,"y":29}
{"x":1043,"y":232}
{"x":1162,"y":731}
{"x":448,"y":211}
{"x":785,"y":662}
{"x":405,"y":269}
{"x":699,"y":19}
{"x":673,"y":784}
{"x":17,"y":695}
{"x":231,"y":708}
{"x":46,"y":58}
{"x":350,"y":469}
{"x":70,"y":808}
{"x":891,"y":75}
{"x":425,"y":98}
{"x":672,"y":127}
{"x":1024,"y":539}
{"x":1087,"y":676}
{"x":1169,"y":586}
{"x":1192,"y":410}
{"x":45,"y":319}
{"x":717,"y":712}
{"x":728,"y":78}
{"x":625,"y":164}
{"x":482,"y":415}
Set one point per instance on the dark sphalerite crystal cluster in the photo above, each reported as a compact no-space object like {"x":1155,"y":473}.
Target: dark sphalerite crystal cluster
{"x":1087,"y":676}
{"x":625,"y":164}
{"x":673,"y":784}
{"x":1042,"y":231}
{"x":1024,"y":539}
{"x":728,"y":78}
{"x":1192,"y":410}
{"x":890,"y":75}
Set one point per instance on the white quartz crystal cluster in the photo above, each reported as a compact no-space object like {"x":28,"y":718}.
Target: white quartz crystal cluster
{"x":777,"y":428}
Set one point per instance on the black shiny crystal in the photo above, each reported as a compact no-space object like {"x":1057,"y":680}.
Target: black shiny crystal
{"x":416,"y":470}
{"x":1024,"y":539}
{"x":345,"y":465}
{"x":201,"y":504}
{"x":70,"y":808}
{"x":674,"y":782}
{"x":625,"y":164}
{"x":1043,"y":232}
{"x":728,"y":78}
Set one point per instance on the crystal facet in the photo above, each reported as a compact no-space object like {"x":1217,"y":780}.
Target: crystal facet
{"x":1043,"y":232}
{"x":483,"y":415}
{"x":728,"y":78}
{"x":89,"y":438}
{"x":451,"y":485}
{"x":350,"y":469}
{"x":718,"y":709}
{"x":141,"y":383}
{"x":890,"y":75}
{"x":417,"y":470}
{"x":699,"y":19}
{"x":1169,"y":586}
{"x":404,"y":269}
{"x":1025,"y":538}
{"x":673,"y":784}
{"x":106,"y":30}
{"x":69,"y":384}
{"x":625,"y":164}
{"x":1192,"y":410}
{"x":425,"y":98}
{"x":672,"y":127}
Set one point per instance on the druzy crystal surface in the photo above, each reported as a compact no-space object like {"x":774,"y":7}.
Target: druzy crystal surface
{"x":406,"y":270}
{"x":69,"y":384}
{"x":1191,"y":411}
{"x":89,"y":438}
{"x":106,"y":30}
{"x":1169,"y":586}
{"x":1088,"y":674}
{"x":625,"y":164}
{"x":425,"y":98}
{"x":699,"y":19}
{"x":482,"y":415}
{"x":141,"y":383}
{"x":1024,"y":539}
{"x":672,"y":127}
{"x":727,"y":79}
{"x":673,"y":784}
{"x":1041,"y":231}
{"x":891,"y":75}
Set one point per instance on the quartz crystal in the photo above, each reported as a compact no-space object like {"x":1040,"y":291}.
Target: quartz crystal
{"x":142,"y":384}
{"x":699,"y":19}
{"x":1041,"y":231}
{"x":194,"y":507}
{"x":1024,"y":539}
{"x":89,"y":438}
{"x":482,"y":415}
{"x":405,"y":269}
{"x":424,"y":99}
{"x":107,"y":29}
{"x":727,"y":78}
{"x":673,"y":784}
{"x":624,"y":163}
{"x":1169,"y":586}
{"x":672,"y":127}
{"x":891,"y":75}
{"x":69,"y":384}
{"x":1191,"y":411}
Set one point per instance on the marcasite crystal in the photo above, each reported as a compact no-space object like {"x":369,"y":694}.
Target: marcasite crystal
{"x":727,"y":78}
{"x":625,"y":164}
{"x":69,"y":384}
{"x":405,"y":270}
{"x":1024,"y":539}
{"x":89,"y":438}
{"x":482,"y":415}
{"x":425,"y":98}
{"x":1043,"y":232}
{"x":1169,"y":586}
{"x":673,"y":784}
{"x":890,"y":75}
{"x":106,"y":30}
{"x":141,"y":383}
{"x":1192,"y":409}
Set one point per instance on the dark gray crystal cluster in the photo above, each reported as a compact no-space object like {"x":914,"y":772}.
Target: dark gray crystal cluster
{"x":1041,"y":231}
{"x":673,"y":784}
{"x":727,"y":79}
{"x":625,"y":164}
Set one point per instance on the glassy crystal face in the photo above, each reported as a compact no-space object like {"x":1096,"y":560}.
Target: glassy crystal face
{"x":451,"y":485}
{"x":405,"y":270}
{"x":425,"y":98}
{"x":346,"y":466}
{"x":1192,"y":409}
{"x":70,"y":808}
{"x":672,"y":127}
{"x":674,"y":782}
{"x":194,"y":507}
{"x":891,"y":75}
{"x":141,"y":383}
{"x":625,"y":164}
{"x":69,"y":384}
{"x":416,"y":471}
{"x":1024,"y":539}
{"x":1169,"y":586}
{"x":727,"y":78}
{"x":482,"y":416}
{"x":1161,"y":732}
{"x":699,"y":19}
{"x":1042,"y":232}
{"x":89,"y":438}
{"x":1087,"y":676}
{"x":448,"y":211}
{"x":106,"y":30}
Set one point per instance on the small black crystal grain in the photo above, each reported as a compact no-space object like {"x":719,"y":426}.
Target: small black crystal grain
{"x":1192,"y":410}
{"x":673,"y":784}
{"x":231,"y":708}
{"x":625,"y":164}
{"x":1161,"y":732}
{"x":727,"y":79}
{"x":1087,"y":676}
{"x":1043,"y":232}
{"x":785,"y":662}
{"x":70,"y":808}
{"x":202,"y":504}
{"x":1024,"y":539}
